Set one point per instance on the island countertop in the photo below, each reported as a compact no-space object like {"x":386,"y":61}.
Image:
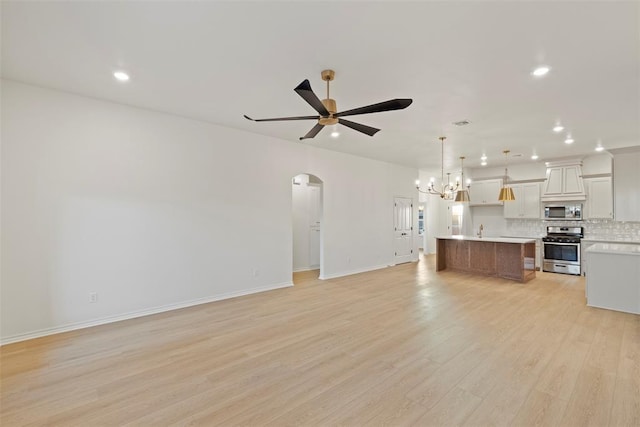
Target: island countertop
{"x":614,"y":248}
{"x":489,"y":239}
{"x":604,"y":240}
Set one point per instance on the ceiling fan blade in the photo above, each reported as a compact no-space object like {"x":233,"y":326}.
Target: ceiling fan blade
{"x":393,"y":104}
{"x":313,"y":132}
{"x":283,"y":118}
{"x":359,"y":127}
{"x":304,"y":90}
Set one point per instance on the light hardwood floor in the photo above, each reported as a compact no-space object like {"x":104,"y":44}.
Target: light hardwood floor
{"x":399,"y":346}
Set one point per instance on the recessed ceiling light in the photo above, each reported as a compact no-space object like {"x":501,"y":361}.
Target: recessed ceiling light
{"x":558,"y":128}
{"x":484,"y":163}
{"x":540,"y":71}
{"x":483,"y":158}
{"x":599,"y":148}
{"x":569,"y":140}
{"x":534,"y":157}
{"x":335,"y":134}
{"x":121,"y":76}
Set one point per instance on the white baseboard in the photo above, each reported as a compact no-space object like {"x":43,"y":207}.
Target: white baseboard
{"x":350,"y":272}
{"x":139,"y":313}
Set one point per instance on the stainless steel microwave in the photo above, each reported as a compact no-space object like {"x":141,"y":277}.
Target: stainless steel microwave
{"x":572,"y":212}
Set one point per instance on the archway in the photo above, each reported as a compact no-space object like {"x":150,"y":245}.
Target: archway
{"x":307,"y":226}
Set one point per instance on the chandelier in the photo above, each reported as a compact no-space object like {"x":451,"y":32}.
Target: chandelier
{"x":445,"y":191}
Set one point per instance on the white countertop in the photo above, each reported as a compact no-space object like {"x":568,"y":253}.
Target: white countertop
{"x":614,"y":248}
{"x":599,"y":239}
{"x":526,"y":237}
{"x":488,"y":239}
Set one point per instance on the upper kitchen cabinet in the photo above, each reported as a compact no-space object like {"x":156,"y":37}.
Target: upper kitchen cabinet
{"x":564,"y":182}
{"x":599,"y":198}
{"x":626,"y":184}
{"x":485,"y":192}
{"x":527,"y":202}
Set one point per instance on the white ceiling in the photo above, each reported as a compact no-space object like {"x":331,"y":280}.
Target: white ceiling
{"x":216,"y":61}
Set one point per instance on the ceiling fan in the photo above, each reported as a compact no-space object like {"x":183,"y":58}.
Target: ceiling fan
{"x":328,"y":110}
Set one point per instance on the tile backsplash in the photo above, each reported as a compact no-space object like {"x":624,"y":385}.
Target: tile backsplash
{"x":605,"y":229}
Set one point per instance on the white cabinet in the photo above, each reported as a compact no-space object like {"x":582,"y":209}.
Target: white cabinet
{"x":564,"y":182}
{"x":599,"y":198}
{"x":485,"y":192}
{"x":626,"y":176}
{"x":527,"y":202}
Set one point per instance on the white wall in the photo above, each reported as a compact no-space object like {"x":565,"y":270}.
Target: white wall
{"x":430,"y":214}
{"x":491,"y":218}
{"x":519,"y":172}
{"x":154,"y":211}
{"x":591,"y":165}
{"x":597,"y":164}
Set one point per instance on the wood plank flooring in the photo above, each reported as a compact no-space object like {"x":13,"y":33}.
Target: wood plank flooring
{"x":399,"y":346}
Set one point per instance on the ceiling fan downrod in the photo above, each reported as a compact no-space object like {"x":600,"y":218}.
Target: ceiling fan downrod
{"x":329,"y":104}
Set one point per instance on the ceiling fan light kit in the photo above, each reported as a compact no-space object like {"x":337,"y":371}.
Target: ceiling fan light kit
{"x":328,"y":111}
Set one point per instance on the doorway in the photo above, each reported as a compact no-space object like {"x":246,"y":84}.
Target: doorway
{"x":307,"y":225}
{"x":403,"y":229}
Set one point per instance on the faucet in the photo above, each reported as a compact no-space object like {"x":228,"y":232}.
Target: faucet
{"x":480,"y":231}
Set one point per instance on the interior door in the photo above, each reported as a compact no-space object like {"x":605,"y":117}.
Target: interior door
{"x":403,"y":229}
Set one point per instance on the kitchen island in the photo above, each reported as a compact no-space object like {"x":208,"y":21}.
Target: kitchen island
{"x":506,"y":257}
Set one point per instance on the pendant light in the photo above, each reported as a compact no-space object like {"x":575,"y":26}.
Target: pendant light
{"x":463,"y":194}
{"x":446,"y":190}
{"x":506,"y":192}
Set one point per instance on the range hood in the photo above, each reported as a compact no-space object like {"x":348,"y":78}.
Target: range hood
{"x":564,"y":182}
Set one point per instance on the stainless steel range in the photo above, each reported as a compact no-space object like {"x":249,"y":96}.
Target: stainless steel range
{"x":562,"y":250}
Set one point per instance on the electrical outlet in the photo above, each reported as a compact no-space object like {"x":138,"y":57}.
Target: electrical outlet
{"x":256,"y":272}
{"x":93,"y":297}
